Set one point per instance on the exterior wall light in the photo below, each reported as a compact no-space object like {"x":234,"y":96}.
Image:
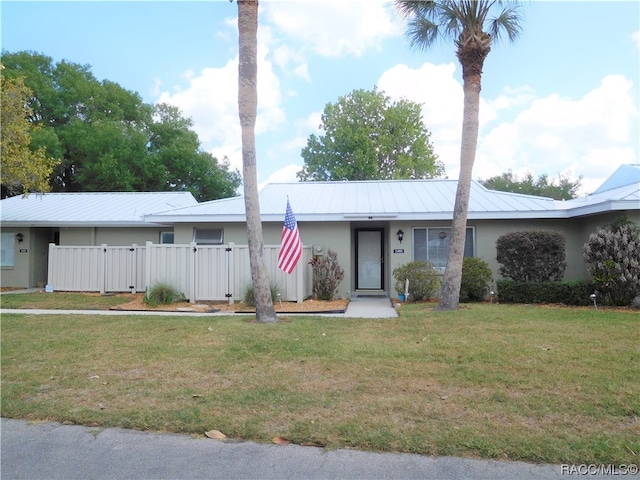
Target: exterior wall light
{"x":19,"y":237}
{"x":400,"y":235}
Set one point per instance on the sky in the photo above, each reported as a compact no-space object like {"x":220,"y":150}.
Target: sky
{"x":564,"y":99}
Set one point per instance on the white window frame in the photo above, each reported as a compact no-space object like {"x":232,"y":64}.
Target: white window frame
{"x":208,"y":236}
{"x":8,"y":249}
{"x":433,"y":235}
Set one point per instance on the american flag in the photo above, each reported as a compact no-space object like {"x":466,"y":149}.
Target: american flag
{"x":291,"y":246}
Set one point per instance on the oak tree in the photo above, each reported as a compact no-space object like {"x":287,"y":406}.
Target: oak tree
{"x":369,"y":136}
{"x":108,"y":139}
{"x":25,"y":167}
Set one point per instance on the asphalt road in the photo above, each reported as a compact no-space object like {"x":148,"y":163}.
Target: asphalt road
{"x":67,"y":452}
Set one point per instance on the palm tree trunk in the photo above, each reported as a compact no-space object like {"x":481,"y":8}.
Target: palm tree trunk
{"x":450,"y":293}
{"x":247,"y":108}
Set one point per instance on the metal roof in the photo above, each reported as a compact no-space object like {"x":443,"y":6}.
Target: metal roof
{"x":626,"y":197}
{"x":316,"y":202}
{"x":89,"y":209}
{"x":624,"y":175}
{"x":368,"y":200}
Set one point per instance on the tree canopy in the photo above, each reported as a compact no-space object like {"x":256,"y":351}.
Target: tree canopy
{"x":108,"y":139}
{"x":23,"y":169}
{"x":564,"y":189}
{"x":370,"y":137}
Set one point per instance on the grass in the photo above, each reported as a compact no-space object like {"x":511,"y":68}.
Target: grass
{"x":63,"y":300}
{"x":530,"y":383}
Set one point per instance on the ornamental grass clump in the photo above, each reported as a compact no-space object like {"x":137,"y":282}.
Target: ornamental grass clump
{"x":249,"y":298}
{"x":163,"y":294}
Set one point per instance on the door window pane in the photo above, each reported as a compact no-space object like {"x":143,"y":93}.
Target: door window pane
{"x":369,"y":260}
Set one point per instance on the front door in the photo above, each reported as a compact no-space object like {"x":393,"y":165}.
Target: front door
{"x":369,"y":259}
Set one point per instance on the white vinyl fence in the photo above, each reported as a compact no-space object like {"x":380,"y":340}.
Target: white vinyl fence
{"x":213,"y":273}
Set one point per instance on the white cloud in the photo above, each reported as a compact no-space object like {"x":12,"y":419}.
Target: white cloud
{"x":291,"y":60}
{"x":635,"y":38}
{"x":587,"y":136}
{"x":334,"y":28}
{"x":285,"y":174}
{"x":211,"y":100}
{"x":441,"y":97}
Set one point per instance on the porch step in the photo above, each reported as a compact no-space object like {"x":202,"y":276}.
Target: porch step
{"x":369,"y":293}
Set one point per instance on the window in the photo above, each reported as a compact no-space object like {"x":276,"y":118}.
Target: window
{"x":208,"y":237}
{"x":8,"y":249}
{"x":166,"y":237}
{"x":432,"y":244}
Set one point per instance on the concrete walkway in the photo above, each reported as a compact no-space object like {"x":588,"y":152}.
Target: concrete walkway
{"x":53,"y":451}
{"x":358,"y":307}
{"x":370,"y":307}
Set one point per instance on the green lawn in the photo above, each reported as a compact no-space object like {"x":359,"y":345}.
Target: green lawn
{"x":530,"y":383}
{"x":63,"y":300}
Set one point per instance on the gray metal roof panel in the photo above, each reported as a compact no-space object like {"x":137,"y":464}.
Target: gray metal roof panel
{"x":338,"y":201}
{"x":624,"y":175}
{"x":89,"y":208}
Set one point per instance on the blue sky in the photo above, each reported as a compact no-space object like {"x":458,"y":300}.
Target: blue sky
{"x":563,"y":99}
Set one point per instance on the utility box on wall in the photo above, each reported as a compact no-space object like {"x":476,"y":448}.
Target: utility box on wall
{"x":318,"y":250}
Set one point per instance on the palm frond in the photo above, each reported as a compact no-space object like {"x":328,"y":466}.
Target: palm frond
{"x":507,"y":22}
{"x":422,"y":33}
{"x":429,"y":20}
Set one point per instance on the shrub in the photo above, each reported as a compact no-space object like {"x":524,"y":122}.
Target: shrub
{"x":163,"y":294}
{"x":249,"y":297}
{"x":476,"y":277}
{"x":424,"y":280}
{"x":327,"y":275}
{"x":535,"y":256}
{"x":565,"y":293}
{"x":612,"y":256}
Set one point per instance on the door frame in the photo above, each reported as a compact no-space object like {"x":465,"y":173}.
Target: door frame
{"x":357,"y":231}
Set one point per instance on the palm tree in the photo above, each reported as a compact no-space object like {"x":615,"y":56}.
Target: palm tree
{"x":247,"y":108}
{"x":464,"y":21}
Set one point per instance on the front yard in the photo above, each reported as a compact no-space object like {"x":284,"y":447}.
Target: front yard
{"x":534,"y":383}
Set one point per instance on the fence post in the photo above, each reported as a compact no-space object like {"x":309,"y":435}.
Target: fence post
{"x":133,"y":267}
{"x":230,"y":273}
{"x":191,"y":273}
{"x":147,"y":267}
{"x":102,"y":269}
{"x":300,"y":281}
{"x":52,"y":262}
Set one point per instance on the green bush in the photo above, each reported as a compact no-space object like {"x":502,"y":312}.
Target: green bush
{"x":163,"y":294}
{"x":424,"y":280}
{"x":612,"y":256}
{"x":249,"y":297}
{"x":327,"y":275}
{"x":576,"y":292}
{"x":536,"y":256}
{"x":476,"y":277}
